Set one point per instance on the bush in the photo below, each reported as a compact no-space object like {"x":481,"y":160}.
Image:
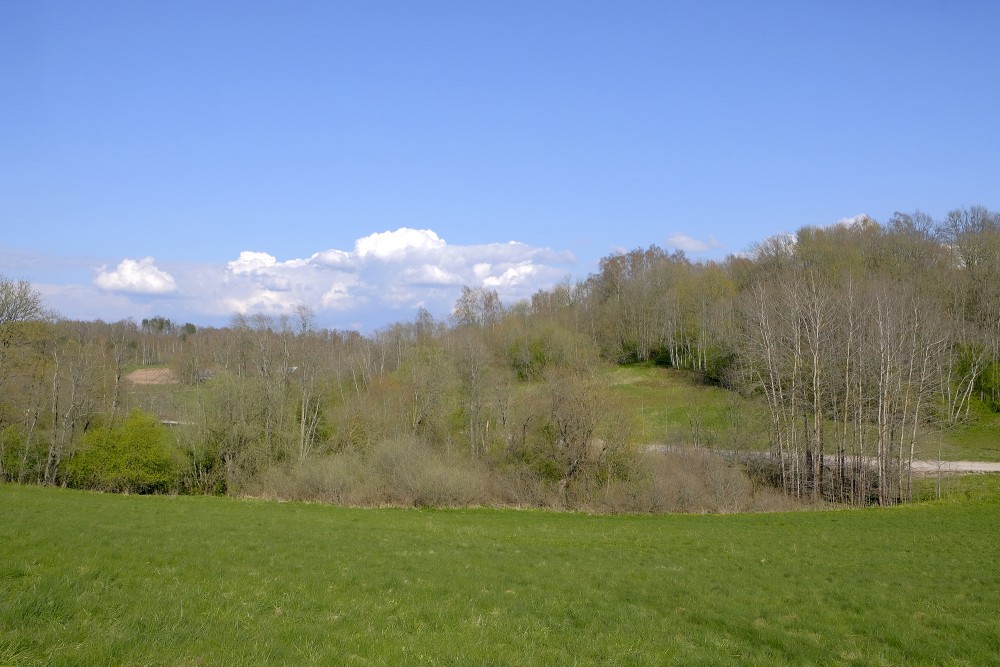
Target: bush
{"x":689,"y":481}
{"x":406,"y":472}
{"x":988,"y":385}
{"x":133,"y":457}
{"x":401,"y":471}
{"x":11,"y":445}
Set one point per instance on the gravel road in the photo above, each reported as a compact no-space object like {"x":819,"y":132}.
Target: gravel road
{"x":919,"y":467}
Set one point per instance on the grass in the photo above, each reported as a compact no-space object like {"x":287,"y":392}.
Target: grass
{"x":979,"y":440}
{"x":676,"y":408}
{"x":171,"y":401}
{"x":92,"y":579}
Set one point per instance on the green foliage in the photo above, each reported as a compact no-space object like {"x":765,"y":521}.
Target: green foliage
{"x":22,"y":458}
{"x":133,"y":457}
{"x":577,"y":437}
{"x":158,"y":325}
{"x":527,"y":357}
{"x":97,"y":579}
{"x":11,"y":446}
{"x":988,"y":386}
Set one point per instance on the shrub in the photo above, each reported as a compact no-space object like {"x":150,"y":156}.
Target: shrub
{"x":406,"y":472}
{"x":11,"y":444}
{"x":133,"y":457}
{"x":688,"y":481}
{"x":400,"y":471}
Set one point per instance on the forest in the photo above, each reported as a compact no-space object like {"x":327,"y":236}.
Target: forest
{"x":850,"y":344}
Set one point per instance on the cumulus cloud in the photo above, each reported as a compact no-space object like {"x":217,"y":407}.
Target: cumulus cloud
{"x":251,"y":262}
{"x":383,"y":272}
{"x":333,"y":258}
{"x":410,"y":268}
{"x":513,"y":277}
{"x":137,"y":277}
{"x":385,"y":245}
{"x":429,"y":274}
{"x":380,"y":278}
{"x":691,"y":244}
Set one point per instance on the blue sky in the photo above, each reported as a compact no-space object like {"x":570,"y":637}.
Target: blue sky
{"x":196,"y":159}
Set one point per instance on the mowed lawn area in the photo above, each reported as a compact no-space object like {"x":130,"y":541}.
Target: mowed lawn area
{"x":92,"y":579}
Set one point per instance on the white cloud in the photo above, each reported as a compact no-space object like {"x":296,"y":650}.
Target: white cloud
{"x":332,"y":258}
{"x":138,"y":277}
{"x":691,"y":244}
{"x":429,"y":274}
{"x":249,"y":262}
{"x":275,"y":283}
{"x":375,"y":282}
{"x":338,"y":297}
{"x":512,"y":277}
{"x":393,"y":244}
{"x":405,"y":268}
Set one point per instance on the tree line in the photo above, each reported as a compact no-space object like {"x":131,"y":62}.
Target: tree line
{"x":856,"y":341}
{"x":860,"y":338}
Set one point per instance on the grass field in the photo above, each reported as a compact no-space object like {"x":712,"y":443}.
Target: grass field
{"x":676,"y":408}
{"x":92,"y":579}
{"x":979,"y":440}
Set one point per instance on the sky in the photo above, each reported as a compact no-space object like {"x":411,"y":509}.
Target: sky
{"x":200,"y":159}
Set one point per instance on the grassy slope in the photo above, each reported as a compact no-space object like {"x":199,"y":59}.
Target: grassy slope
{"x":674,"y":407}
{"x":672,"y":404}
{"x":978,"y":440}
{"x":91,"y":579}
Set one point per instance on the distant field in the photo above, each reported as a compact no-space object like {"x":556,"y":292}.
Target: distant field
{"x":91,"y":579}
{"x":979,"y":440}
{"x":675,"y":408}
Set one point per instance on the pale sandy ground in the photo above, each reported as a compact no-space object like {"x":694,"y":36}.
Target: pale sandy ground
{"x":919,"y":467}
{"x":955,"y":466}
{"x":146,"y":376}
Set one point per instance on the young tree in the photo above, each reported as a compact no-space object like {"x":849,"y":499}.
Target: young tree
{"x":25,"y":331}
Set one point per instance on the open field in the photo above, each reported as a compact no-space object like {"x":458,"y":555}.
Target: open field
{"x":674,"y":408}
{"x":92,"y":579}
{"x":979,"y":440}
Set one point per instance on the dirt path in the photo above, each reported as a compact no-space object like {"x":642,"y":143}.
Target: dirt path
{"x":919,"y":467}
{"x":932,"y":467}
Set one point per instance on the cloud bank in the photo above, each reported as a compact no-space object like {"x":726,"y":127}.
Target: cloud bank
{"x":383,"y":278}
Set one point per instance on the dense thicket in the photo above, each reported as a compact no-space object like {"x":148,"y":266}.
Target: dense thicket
{"x":857,"y":340}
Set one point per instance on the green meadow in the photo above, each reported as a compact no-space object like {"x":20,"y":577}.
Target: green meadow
{"x":94,"y":579}
{"x":676,"y":408}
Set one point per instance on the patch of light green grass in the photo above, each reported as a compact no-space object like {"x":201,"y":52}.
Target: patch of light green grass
{"x":676,"y":408}
{"x":978,"y":440}
{"x":92,"y":579}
